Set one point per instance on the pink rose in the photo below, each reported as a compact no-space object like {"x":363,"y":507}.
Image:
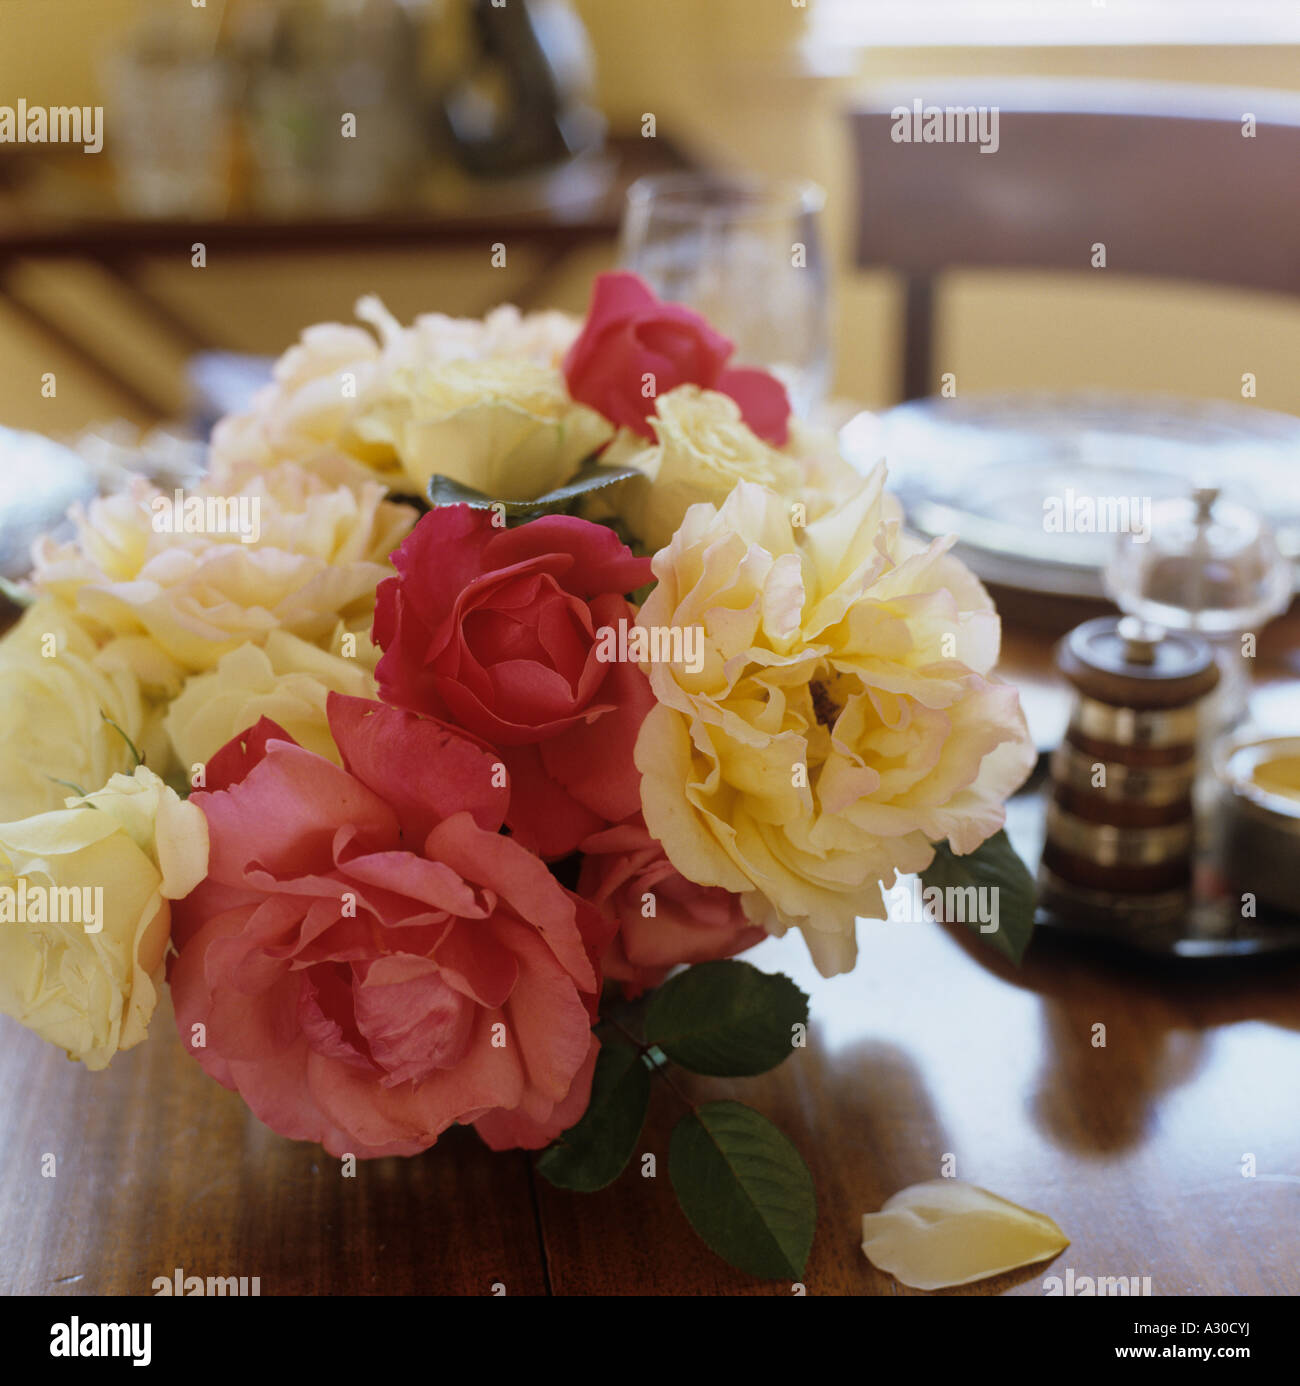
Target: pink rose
{"x":497,"y":631}
{"x":625,"y":874}
{"x":369,"y":958}
{"x":630,"y":334}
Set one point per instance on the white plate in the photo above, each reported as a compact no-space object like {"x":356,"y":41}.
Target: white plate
{"x":39,"y":480}
{"x":986,"y":468}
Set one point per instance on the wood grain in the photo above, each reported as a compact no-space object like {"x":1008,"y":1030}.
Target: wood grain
{"x":160,"y":1168}
{"x":933,"y":1047}
{"x":930,"y":1048}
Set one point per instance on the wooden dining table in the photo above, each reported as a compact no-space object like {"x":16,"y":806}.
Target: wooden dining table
{"x":1171,"y":1150}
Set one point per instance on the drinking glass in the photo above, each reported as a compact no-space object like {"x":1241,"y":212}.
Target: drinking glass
{"x":747,"y":254}
{"x":167,"y":120}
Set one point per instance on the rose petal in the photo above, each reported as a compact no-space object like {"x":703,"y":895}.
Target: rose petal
{"x":233,"y":762}
{"x":507,"y":1129}
{"x":444,"y":771}
{"x":630,"y":334}
{"x":764,"y":404}
{"x":946,"y":1232}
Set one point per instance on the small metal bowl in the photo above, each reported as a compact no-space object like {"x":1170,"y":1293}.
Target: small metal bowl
{"x":1261,"y":827}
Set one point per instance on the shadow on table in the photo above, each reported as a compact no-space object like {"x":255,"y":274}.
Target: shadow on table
{"x":876,"y":1091}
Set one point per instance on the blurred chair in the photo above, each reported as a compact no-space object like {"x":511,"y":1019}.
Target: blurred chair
{"x":1162,"y":175}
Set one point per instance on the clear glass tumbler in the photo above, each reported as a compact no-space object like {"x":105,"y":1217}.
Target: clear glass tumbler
{"x":167,"y":126}
{"x":747,"y":253}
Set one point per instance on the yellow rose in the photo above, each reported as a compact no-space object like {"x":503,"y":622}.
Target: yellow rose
{"x":306,"y":408}
{"x":180,"y":599}
{"x":336,"y":376}
{"x":702,"y":449}
{"x":84,"y":912}
{"x":57,"y":688}
{"x":504,"y":331}
{"x":287,"y":680}
{"x":843,"y":718}
{"x":504,"y":427}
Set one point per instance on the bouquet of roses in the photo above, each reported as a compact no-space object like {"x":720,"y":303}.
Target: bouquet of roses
{"x":496,"y":670}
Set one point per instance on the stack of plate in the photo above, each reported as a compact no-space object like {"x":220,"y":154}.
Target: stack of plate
{"x":992,"y":469}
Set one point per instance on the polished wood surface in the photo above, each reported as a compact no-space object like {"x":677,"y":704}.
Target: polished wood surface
{"x":931,"y":1048}
{"x":157,"y":1168}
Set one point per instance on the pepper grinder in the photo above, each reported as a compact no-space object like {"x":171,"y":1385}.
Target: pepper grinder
{"x":1121,"y":832}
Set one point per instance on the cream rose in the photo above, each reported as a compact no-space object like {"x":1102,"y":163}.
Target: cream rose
{"x":843,"y":720}
{"x":542,"y":337}
{"x":338,"y":377}
{"x":60,"y":695}
{"x":504,"y":427}
{"x":306,"y":408}
{"x":179,"y":601}
{"x":702,"y":449}
{"x":287,"y":680}
{"x":84,"y":912}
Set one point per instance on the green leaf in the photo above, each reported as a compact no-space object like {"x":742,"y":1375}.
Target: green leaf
{"x":726,"y":1019}
{"x":993,"y":866}
{"x":592,"y":1154}
{"x":443,"y":490}
{"x":590,"y":477}
{"x":745,"y":1189}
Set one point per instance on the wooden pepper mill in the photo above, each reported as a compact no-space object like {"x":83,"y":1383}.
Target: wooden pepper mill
{"x":1120,"y":828}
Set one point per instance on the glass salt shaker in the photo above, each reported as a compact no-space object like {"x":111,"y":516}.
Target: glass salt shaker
{"x":1210,"y":567}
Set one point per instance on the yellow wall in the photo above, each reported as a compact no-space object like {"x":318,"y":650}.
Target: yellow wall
{"x":713,"y":70}
{"x":722,"y":76}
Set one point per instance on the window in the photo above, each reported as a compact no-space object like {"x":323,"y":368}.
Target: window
{"x":1045,"y":23}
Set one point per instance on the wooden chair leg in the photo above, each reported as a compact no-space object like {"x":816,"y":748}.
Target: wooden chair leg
{"x":918,"y":338}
